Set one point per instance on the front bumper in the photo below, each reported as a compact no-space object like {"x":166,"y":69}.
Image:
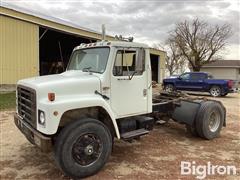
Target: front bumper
{"x":35,"y":137}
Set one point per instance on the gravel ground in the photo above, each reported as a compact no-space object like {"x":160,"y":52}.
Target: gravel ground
{"x":155,"y":156}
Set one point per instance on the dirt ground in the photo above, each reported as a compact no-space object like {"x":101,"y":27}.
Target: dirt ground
{"x":155,"y":156}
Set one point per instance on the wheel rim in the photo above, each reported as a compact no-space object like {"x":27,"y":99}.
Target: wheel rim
{"x":215,"y":91}
{"x":87,"y":149}
{"x":169,"y":88}
{"x":214,"y":121}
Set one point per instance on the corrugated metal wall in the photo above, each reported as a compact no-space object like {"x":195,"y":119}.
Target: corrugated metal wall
{"x":161,"y":66}
{"x":222,"y":73}
{"x":19,"y":50}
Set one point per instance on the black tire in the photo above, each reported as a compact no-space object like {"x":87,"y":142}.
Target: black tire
{"x":78,"y":138}
{"x":224,"y":94}
{"x":210,"y":119}
{"x":192,"y":130}
{"x":215,"y":91}
{"x":169,"y":87}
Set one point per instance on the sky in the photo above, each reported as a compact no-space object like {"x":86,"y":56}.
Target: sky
{"x":147,"y":21}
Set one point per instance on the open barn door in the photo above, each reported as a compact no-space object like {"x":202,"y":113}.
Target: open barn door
{"x":55,"y":49}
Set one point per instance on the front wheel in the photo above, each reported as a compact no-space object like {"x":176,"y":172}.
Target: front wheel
{"x":169,"y":88}
{"x":215,"y":91}
{"x":83,"y":147}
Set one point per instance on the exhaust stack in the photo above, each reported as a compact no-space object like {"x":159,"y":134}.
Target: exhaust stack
{"x":103,"y":32}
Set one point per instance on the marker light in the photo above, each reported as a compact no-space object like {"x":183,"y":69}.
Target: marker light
{"x":51,"y":96}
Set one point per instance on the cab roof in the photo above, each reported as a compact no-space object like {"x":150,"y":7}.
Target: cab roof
{"x":128,"y":44}
{"x":112,"y":43}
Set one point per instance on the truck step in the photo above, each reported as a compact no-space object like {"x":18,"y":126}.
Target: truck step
{"x":134,"y":134}
{"x":145,"y":122}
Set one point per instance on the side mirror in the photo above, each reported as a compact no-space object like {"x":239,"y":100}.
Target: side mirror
{"x":140,"y":62}
{"x":179,"y":78}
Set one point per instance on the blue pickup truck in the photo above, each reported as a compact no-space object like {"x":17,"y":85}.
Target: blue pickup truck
{"x":199,"y":81}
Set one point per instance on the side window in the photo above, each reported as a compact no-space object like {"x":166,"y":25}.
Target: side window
{"x":128,"y":62}
{"x":210,"y":76}
{"x":198,"y":76}
{"x":203,"y":76}
{"x":194,"y":76}
{"x":185,"y":76}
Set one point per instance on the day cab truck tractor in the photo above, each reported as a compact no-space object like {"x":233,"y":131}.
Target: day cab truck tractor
{"x":105,"y":94}
{"x":200,"y":82}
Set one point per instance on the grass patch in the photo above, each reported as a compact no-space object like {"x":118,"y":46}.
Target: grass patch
{"x":7,"y":100}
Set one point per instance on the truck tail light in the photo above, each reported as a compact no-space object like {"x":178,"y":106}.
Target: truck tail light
{"x":51,"y":96}
{"x":230,"y":83}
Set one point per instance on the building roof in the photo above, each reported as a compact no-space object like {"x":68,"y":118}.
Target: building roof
{"x":223,"y":63}
{"x":16,"y":12}
{"x":44,"y":16}
{"x":44,"y":20}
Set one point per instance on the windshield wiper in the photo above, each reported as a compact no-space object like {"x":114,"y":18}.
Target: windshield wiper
{"x":86,"y":69}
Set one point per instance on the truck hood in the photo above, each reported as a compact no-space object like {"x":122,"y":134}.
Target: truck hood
{"x":170,"y":79}
{"x":67,"y":83}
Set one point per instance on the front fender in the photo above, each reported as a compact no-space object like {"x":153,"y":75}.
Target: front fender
{"x":65,"y":103}
{"x":169,"y":82}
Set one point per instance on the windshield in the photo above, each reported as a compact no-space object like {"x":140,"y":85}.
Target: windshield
{"x":92,"y":59}
{"x":210,"y":76}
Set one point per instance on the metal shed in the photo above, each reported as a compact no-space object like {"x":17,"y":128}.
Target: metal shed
{"x":30,"y":41}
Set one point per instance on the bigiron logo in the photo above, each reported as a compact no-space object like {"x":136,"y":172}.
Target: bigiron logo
{"x":202,"y":171}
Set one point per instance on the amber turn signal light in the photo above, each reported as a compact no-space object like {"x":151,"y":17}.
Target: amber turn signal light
{"x":51,"y":96}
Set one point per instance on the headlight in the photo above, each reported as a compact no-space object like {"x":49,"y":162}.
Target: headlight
{"x":41,"y":117}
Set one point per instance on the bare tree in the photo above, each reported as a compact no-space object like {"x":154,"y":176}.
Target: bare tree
{"x":199,"y":42}
{"x":174,"y":61}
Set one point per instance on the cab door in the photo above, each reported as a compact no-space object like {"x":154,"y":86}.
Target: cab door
{"x":197,"y":81}
{"x":129,"y":83}
{"x":183,"y":82}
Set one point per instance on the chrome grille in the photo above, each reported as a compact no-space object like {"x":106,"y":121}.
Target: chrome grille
{"x":26,"y":101}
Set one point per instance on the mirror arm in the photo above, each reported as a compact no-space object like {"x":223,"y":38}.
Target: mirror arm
{"x":128,"y":73}
{"x":132,"y":75}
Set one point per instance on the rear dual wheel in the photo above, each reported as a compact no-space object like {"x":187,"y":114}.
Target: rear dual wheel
{"x":209,"y":120}
{"x":192,"y":130}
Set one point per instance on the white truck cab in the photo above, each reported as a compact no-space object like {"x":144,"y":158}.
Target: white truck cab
{"x":105,"y":93}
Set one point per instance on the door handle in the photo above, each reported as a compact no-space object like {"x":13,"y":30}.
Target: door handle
{"x":144,"y":92}
{"x":150,"y":85}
